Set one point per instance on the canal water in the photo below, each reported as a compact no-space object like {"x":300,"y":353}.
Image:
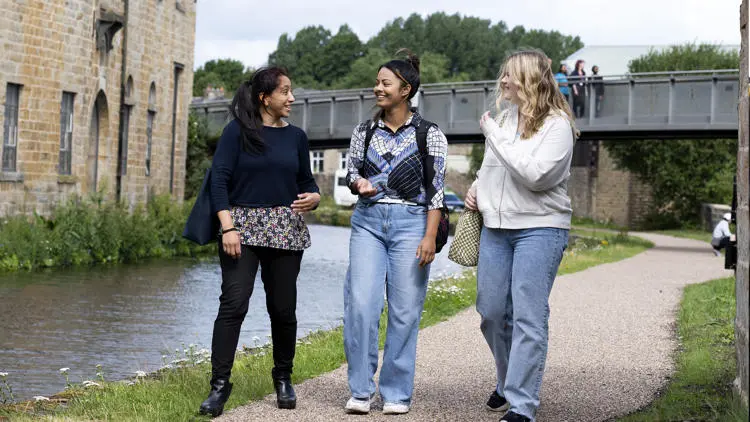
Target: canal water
{"x":126,"y":317}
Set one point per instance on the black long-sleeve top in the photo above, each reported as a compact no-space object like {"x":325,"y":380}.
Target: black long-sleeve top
{"x":273,"y":178}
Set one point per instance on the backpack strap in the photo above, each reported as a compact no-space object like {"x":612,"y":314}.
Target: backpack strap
{"x":369,"y":131}
{"x":422,"y":130}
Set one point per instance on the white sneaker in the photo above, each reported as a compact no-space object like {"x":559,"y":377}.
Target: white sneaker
{"x":355,"y":405}
{"x":395,"y":408}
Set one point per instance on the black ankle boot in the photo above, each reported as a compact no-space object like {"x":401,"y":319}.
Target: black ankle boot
{"x":217,"y":397}
{"x":285,"y":397}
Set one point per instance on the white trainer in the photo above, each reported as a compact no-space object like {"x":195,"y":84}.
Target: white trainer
{"x":355,"y":405}
{"x":395,"y":408}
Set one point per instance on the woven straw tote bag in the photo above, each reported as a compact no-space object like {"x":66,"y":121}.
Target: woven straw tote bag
{"x":464,"y":249}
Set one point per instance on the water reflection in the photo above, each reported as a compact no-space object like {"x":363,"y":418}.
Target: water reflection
{"x":126,"y":317}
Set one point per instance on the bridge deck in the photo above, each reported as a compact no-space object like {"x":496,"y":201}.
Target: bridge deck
{"x":655,"y":105}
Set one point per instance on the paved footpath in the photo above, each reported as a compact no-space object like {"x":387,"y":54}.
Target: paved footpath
{"x":612,"y":340}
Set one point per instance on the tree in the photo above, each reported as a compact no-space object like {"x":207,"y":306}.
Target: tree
{"x":226,"y":73}
{"x":363,"y":71}
{"x":473,"y":49}
{"x":554,"y":44}
{"x":339,"y":54}
{"x":685,"y":173}
{"x":201,"y":147}
{"x":686,"y":57}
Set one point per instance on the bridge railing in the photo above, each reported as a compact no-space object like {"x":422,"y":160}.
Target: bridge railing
{"x":679,"y":100}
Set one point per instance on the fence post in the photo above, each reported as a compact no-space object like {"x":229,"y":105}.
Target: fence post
{"x":631,"y":89}
{"x":670,"y":112}
{"x":304,"y":114}
{"x":332,"y":120}
{"x":714,"y":83}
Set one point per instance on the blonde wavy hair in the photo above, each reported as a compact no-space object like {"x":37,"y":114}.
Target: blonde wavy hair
{"x":538,"y":93}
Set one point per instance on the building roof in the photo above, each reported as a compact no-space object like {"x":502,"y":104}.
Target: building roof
{"x":614,"y":59}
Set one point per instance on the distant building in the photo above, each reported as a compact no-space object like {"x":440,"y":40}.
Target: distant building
{"x":93,"y":96}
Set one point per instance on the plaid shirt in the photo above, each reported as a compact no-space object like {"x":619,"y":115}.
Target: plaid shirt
{"x":394,"y":164}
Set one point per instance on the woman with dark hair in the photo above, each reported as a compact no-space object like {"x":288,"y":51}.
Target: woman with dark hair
{"x":261,"y":182}
{"x":578,"y":81}
{"x":397,"y":167}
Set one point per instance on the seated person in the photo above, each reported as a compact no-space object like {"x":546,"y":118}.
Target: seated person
{"x":721,"y":235}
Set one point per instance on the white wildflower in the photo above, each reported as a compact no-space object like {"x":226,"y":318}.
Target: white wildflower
{"x":3,"y":374}
{"x":64,"y":370}
{"x":41,"y":398}
{"x":140,"y":374}
{"x":88,"y":383}
{"x":256,"y":339}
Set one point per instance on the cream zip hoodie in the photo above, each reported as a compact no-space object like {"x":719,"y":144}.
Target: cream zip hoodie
{"x":523,"y":183}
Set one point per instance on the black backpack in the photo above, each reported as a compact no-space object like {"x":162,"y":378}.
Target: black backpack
{"x":424,"y":126}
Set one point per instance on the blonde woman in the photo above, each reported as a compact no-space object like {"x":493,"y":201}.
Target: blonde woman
{"x":521,"y":192}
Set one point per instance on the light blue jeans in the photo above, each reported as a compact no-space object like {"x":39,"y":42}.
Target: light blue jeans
{"x":383,"y":258}
{"x":514,"y":280}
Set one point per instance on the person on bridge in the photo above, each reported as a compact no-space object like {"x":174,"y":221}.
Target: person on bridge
{"x":578,"y":82}
{"x":562,"y":81}
{"x":261,"y":182}
{"x":521,"y":191}
{"x":396,"y":165}
{"x":597,"y":84}
{"x":722,"y":235}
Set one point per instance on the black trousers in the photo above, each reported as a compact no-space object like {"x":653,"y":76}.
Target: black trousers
{"x":279,"y":270}
{"x":579,"y":104}
{"x":723,"y":243}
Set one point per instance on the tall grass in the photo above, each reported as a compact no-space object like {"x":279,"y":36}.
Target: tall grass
{"x":93,"y":231}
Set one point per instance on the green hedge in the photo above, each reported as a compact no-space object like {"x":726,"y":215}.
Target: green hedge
{"x":83,"y":232}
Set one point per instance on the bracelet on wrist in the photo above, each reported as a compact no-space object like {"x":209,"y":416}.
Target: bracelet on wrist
{"x":231,"y":229}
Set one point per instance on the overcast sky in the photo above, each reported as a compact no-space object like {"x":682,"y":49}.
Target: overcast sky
{"x":249,"y":30}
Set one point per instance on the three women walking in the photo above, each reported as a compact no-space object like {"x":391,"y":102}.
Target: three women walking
{"x":262,"y":181}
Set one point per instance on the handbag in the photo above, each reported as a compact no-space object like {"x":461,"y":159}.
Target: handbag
{"x":464,"y":249}
{"x":202,"y":226}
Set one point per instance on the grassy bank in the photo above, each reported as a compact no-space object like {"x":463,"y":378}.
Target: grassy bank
{"x":175,"y":394}
{"x":688,"y":234}
{"x":84,"y":232}
{"x":701,"y":388}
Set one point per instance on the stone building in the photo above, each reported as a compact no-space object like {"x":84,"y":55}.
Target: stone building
{"x":94,"y":96}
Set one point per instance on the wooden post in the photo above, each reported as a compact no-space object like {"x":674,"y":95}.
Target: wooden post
{"x":743,"y":227}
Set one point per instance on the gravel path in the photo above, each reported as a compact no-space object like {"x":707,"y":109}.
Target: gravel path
{"x":612,"y":341}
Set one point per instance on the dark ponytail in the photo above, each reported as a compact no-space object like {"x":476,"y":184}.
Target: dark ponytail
{"x":246,"y":106}
{"x":407,"y":70}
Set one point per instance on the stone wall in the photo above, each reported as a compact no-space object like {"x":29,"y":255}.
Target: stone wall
{"x":55,"y":46}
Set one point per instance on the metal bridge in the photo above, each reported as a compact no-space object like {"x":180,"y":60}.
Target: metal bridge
{"x":668,"y":105}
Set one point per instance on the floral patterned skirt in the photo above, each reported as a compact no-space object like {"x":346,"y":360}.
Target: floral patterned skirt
{"x":276,"y":227}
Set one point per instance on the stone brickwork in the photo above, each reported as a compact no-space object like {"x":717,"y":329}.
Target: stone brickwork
{"x":55,"y":46}
{"x":606,"y":193}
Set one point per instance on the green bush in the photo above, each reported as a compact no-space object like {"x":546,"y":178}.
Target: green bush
{"x":92,"y":231}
